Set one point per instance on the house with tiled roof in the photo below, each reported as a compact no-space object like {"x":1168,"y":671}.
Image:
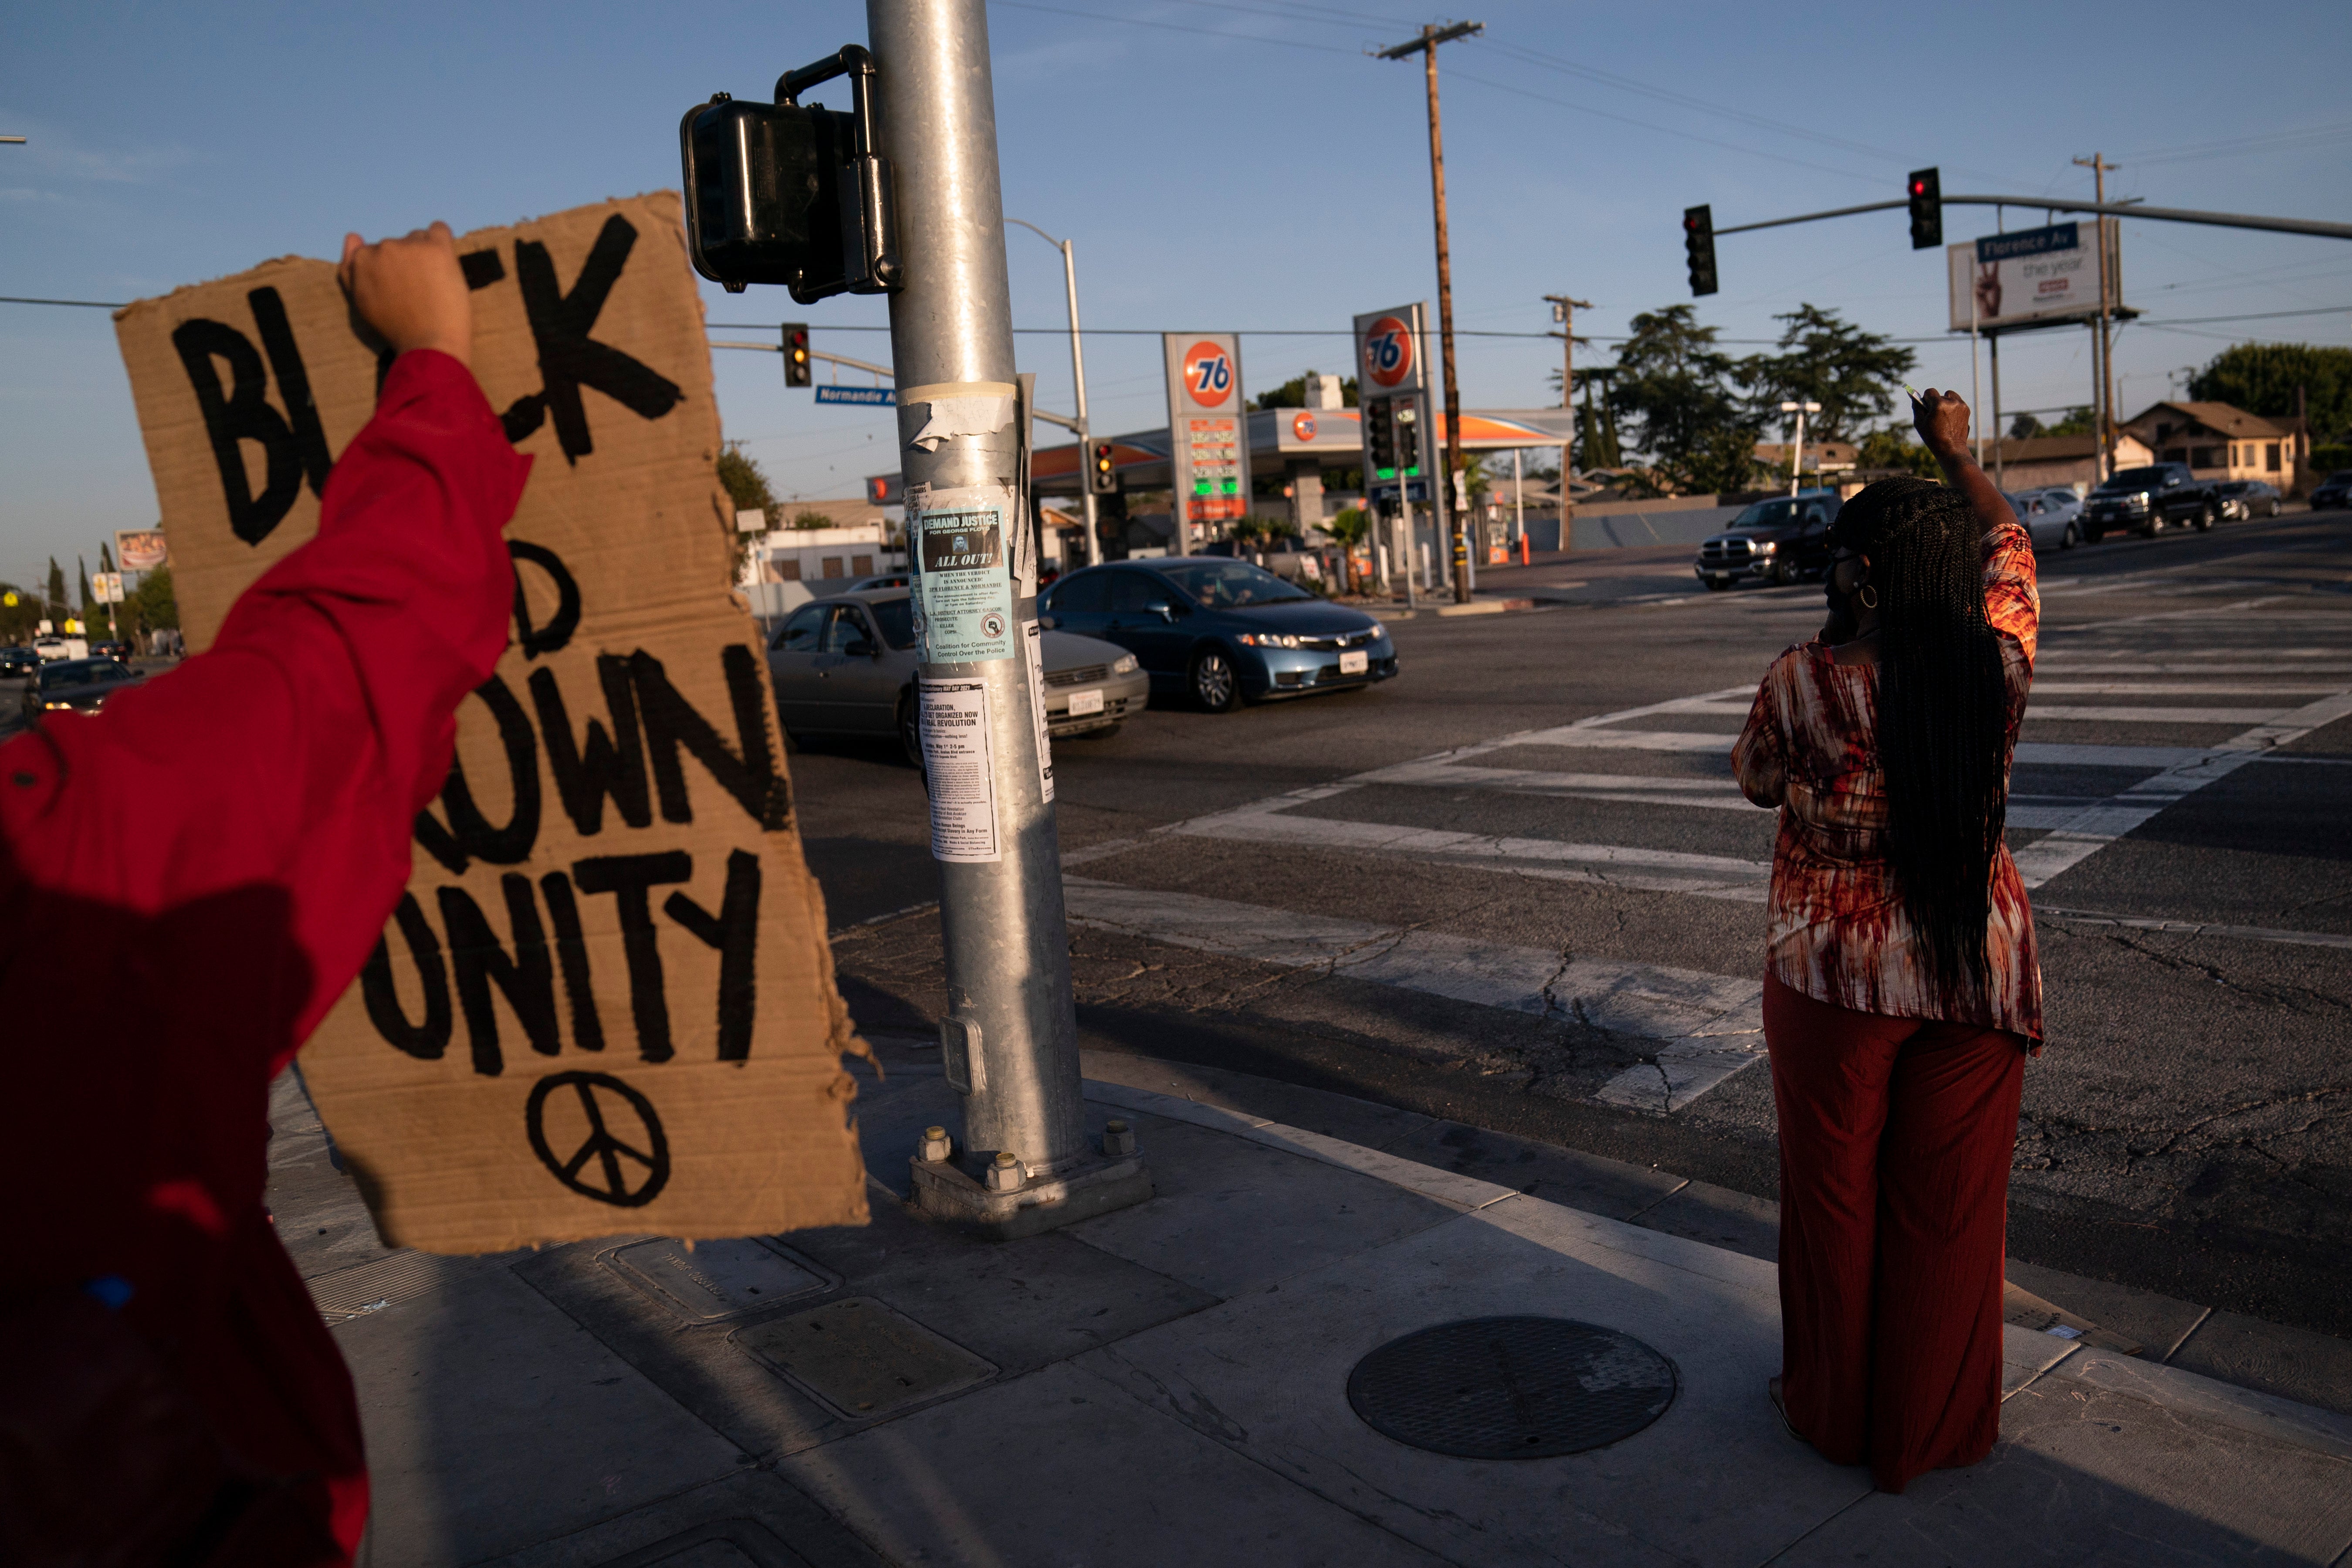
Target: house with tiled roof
{"x":2217,"y":441}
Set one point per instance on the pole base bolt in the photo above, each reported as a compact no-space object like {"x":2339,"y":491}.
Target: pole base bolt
{"x":935,"y":1146}
{"x":1005,"y":1174}
{"x":1119,"y":1138}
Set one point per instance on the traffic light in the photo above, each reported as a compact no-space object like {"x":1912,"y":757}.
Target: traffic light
{"x":1407,"y":436}
{"x":1102,"y":468}
{"x":796,"y":354}
{"x":1381,"y":436}
{"x":1926,"y":189}
{"x":1698,"y":244}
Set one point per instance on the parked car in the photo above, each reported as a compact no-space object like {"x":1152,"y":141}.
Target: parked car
{"x":2336,"y":490}
{"x":17,"y":659}
{"x":2149,"y":499}
{"x":2248,"y":498}
{"x":1775,"y":540}
{"x":835,"y":587}
{"x":112,"y":648}
{"x":51,"y":648}
{"x":2053,"y":517}
{"x":1224,"y":632}
{"x":84,"y":685}
{"x":846,"y":666}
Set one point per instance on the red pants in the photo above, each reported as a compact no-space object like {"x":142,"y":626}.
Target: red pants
{"x":1895,"y":1138}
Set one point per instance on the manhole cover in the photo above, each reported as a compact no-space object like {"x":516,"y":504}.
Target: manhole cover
{"x":1512,"y":1388}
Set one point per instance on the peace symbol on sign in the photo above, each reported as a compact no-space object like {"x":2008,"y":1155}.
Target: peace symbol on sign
{"x":604,"y":1101}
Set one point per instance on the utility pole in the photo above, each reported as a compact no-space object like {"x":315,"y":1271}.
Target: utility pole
{"x":1456,"y":489}
{"x":1563,"y":310}
{"x":2105,"y":416}
{"x":1797,"y":453}
{"x":1009,"y":1044}
{"x":1077,"y":379}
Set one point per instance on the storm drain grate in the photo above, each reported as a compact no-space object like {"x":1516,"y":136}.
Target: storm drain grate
{"x":1512,"y":1388}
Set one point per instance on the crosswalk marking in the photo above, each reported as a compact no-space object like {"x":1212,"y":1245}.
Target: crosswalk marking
{"x":1709,"y":1026}
{"x":2101,"y":823}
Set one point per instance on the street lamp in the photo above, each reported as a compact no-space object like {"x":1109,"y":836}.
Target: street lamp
{"x":1077,"y":379}
{"x":1797,"y":453}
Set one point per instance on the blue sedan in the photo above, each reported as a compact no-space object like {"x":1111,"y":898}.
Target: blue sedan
{"x":1222,"y":632}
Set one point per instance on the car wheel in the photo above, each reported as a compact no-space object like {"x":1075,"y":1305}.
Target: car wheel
{"x":2068,"y":540}
{"x":2273,"y":511}
{"x":2209,"y":517}
{"x":1215,"y":687}
{"x":1784,"y":571}
{"x":910,"y":730}
{"x":2152,"y":526}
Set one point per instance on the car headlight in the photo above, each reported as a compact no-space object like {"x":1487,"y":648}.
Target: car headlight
{"x":1765,"y":546}
{"x":1125,"y":664}
{"x":1269,"y":639}
{"x":52,"y":707}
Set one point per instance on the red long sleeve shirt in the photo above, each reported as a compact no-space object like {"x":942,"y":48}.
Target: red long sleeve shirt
{"x":189,"y":879}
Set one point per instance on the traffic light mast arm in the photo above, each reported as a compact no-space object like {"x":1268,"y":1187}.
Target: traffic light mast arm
{"x":829,"y":359}
{"x":2049,"y":204}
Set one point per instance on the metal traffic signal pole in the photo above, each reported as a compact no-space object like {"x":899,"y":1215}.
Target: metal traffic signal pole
{"x":1085,"y":432}
{"x":1451,"y":504}
{"x":1564,"y":311}
{"x":1009,"y":1044}
{"x":2106,"y":400}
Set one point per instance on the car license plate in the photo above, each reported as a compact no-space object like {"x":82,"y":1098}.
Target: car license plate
{"x":1084,"y":703}
{"x":1355,"y":663}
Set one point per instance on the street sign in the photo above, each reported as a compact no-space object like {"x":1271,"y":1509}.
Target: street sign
{"x":2034,"y":276}
{"x":106,"y":587}
{"x":1208,"y":438}
{"x":872,"y":396}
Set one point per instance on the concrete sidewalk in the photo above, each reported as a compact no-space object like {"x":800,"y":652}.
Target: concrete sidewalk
{"x":1168,"y":1385}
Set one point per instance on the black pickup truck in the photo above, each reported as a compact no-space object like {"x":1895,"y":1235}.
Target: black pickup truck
{"x":2147,"y":499}
{"x":1776,"y":540}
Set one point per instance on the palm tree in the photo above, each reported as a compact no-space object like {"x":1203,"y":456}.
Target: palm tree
{"x":1347,"y":530}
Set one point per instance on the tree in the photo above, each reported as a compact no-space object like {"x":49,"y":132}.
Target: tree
{"x":1893,"y":447}
{"x":1348,"y":530}
{"x":150,"y":606}
{"x":2262,"y":378}
{"x":55,"y":607}
{"x":91,"y":612}
{"x":2078,"y":422}
{"x":1674,"y":386}
{"x":1292,"y":393}
{"x":2024,"y":427}
{"x":1854,"y":375}
{"x":813,"y":520}
{"x":746,"y":486}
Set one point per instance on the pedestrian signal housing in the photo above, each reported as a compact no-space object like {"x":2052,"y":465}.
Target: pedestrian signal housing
{"x":1407,"y":436}
{"x":1698,"y":246}
{"x":796,"y":354}
{"x":776,"y":193}
{"x":1102,"y":468}
{"x":1927,"y":193}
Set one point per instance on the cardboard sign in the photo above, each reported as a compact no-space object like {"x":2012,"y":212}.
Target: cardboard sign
{"x":606,"y":1003}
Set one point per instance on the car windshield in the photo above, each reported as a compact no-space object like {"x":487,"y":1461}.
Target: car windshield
{"x":2135,"y":479}
{"x":81,"y":672}
{"x":897,"y":619}
{"x":1767,"y":514}
{"x":2341,"y":476}
{"x":1227,"y":585}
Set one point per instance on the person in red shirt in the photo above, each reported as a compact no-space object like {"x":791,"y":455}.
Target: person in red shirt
{"x":188,"y":880}
{"x":1902,"y":991}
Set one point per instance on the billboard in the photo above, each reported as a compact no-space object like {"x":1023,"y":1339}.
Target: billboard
{"x":2033,"y":276}
{"x":139,"y":548}
{"x":1207,"y":433}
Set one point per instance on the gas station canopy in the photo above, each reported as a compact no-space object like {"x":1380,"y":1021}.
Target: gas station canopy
{"x":1280,"y":436}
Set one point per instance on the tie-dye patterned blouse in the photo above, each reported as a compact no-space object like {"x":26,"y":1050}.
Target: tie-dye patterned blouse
{"x":1838,"y":931}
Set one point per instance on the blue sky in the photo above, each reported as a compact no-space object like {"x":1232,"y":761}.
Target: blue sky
{"x":1238,"y":165}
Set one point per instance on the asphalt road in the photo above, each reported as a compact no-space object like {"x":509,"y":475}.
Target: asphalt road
{"x":1514,"y":888}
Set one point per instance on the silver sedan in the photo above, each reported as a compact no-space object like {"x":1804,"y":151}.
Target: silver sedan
{"x":846,"y":666}
{"x":2053,"y":517}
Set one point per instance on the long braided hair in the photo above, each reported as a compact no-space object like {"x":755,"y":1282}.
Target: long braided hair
{"x":1943,"y":715}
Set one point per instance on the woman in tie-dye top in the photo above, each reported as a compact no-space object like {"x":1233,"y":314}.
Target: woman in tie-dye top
{"x":1901,"y":987}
